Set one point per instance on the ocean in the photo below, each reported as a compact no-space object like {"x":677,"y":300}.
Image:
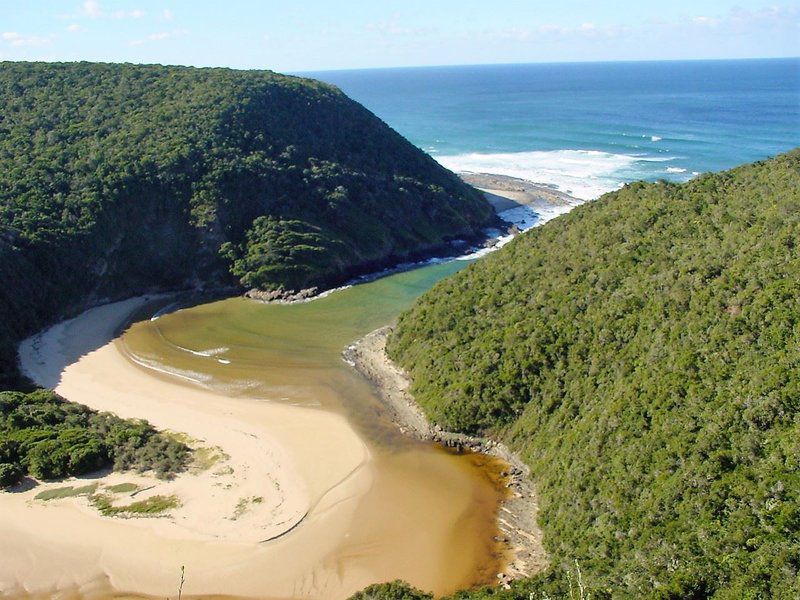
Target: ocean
{"x":587,"y":128}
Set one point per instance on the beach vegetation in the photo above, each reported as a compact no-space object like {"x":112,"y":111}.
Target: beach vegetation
{"x":122,"y":488}
{"x":66,"y":492}
{"x":244,"y":504}
{"x":206,"y":457}
{"x":44,"y":436}
{"x":149,"y":507}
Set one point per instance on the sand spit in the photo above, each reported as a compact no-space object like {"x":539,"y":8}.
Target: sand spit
{"x":276,"y":468}
{"x":517,"y":516}
{"x":504,"y":192}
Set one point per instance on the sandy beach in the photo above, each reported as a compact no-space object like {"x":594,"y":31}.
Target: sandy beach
{"x":306,"y":466}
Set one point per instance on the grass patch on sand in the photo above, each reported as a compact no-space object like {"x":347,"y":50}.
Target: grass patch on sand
{"x":243,"y":505}
{"x":66,"y":492}
{"x":150,"y":507}
{"x":122,"y":488}
{"x":207,"y":457}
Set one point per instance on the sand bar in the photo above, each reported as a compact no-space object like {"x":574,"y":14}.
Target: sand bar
{"x":308,"y":467}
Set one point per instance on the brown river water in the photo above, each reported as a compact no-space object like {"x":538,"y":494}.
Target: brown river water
{"x":429,"y":516}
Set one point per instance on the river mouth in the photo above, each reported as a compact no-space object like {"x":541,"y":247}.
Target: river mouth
{"x":428,"y":516}
{"x":317,"y":494}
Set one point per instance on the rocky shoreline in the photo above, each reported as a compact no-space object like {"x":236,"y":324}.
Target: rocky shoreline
{"x":502,"y":192}
{"x":519,"y":533}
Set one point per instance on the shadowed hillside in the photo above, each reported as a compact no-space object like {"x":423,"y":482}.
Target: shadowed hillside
{"x":119,"y":179}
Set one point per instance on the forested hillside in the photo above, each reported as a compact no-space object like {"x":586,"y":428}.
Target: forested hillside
{"x":642,"y":353}
{"x":119,"y":179}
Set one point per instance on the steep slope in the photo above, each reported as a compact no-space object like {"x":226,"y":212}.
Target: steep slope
{"x":116,"y":179}
{"x":643,"y":355}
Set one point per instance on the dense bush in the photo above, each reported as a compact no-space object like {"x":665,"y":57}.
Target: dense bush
{"x":279,"y":253}
{"x":122,"y":179}
{"x":394,"y":590}
{"x":119,"y":179}
{"x":556,"y":584}
{"x":48,"y":438}
{"x":642,"y":354}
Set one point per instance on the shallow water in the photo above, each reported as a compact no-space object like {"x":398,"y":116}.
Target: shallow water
{"x":429,"y":516}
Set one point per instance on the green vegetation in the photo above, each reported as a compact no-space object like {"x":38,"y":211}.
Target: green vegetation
{"x":206,"y":457}
{"x":66,"y":492}
{"x":394,"y":590}
{"x":104,"y":502}
{"x":642,"y":354}
{"x":554,"y":585}
{"x":150,"y":507}
{"x":48,"y":438}
{"x":244,"y":505}
{"x":120,"y":179}
{"x":122,"y":488}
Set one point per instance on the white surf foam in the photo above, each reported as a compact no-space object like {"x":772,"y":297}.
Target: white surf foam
{"x":585,"y":174}
{"x":525,"y":218}
{"x":201,"y":379}
{"x":655,"y":138}
{"x":675,"y":170}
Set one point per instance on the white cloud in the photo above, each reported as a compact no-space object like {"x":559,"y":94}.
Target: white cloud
{"x":786,"y":15}
{"x":91,"y":8}
{"x":550,"y":28}
{"x":76,"y":28}
{"x":137,"y":13}
{"x":392,"y":27}
{"x":17,"y":39}
{"x":588,"y":30}
{"x":737,"y":21}
{"x":709,"y":21}
{"x":94,"y":10}
{"x":159,"y":36}
{"x":167,"y":15}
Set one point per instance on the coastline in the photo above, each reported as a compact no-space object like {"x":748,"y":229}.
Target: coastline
{"x":520,"y":534}
{"x":504,"y":192}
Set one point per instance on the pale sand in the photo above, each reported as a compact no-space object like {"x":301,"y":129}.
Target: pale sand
{"x":309,"y":467}
{"x":504,"y":192}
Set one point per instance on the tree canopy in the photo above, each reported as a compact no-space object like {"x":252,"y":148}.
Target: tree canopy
{"x":642,"y":353}
{"x":44,"y":436}
{"x":120,"y":179}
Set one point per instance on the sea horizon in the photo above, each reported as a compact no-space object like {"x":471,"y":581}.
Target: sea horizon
{"x":307,"y":72}
{"x":587,"y":128}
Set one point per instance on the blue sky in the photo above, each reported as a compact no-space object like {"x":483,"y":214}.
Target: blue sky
{"x":323,"y":34}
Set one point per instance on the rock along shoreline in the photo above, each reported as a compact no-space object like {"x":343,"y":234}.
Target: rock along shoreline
{"x":520,"y":534}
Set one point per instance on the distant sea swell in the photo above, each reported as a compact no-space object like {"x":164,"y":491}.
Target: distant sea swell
{"x":588,"y":128}
{"x":585,"y":174}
